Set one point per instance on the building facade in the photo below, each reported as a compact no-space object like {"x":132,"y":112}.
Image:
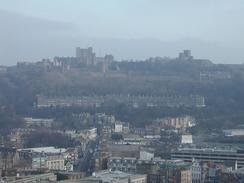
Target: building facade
{"x":206,"y":155}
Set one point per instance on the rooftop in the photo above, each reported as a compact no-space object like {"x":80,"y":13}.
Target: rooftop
{"x":45,"y":150}
{"x":208,"y":150}
{"x":112,"y":176}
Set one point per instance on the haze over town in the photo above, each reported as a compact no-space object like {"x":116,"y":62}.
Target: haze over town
{"x":121,"y":91}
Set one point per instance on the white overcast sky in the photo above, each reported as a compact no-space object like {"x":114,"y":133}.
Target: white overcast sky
{"x":34,"y":29}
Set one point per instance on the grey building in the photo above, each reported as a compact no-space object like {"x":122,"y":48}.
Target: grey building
{"x":214,"y":155}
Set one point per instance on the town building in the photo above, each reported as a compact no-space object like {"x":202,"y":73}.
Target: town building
{"x":35,"y":122}
{"x":235,"y":176}
{"x":131,"y":139}
{"x":48,"y":161}
{"x":179,"y":122}
{"x":71,"y":176}
{"x":139,"y":165}
{"x":108,"y":176}
{"x":197,"y":172}
{"x":8,"y":158}
{"x":42,"y":178}
{"x":91,"y":133}
{"x":186,"y":139}
{"x":146,"y":153}
{"x":142,"y":101}
{"x":166,"y":171}
{"x":233,"y":132}
{"x":43,"y":158}
{"x":118,"y":127}
{"x":115,"y":150}
{"x":215,"y":155}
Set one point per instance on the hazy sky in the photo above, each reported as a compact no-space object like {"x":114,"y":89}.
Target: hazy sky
{"x":35,"y":29}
